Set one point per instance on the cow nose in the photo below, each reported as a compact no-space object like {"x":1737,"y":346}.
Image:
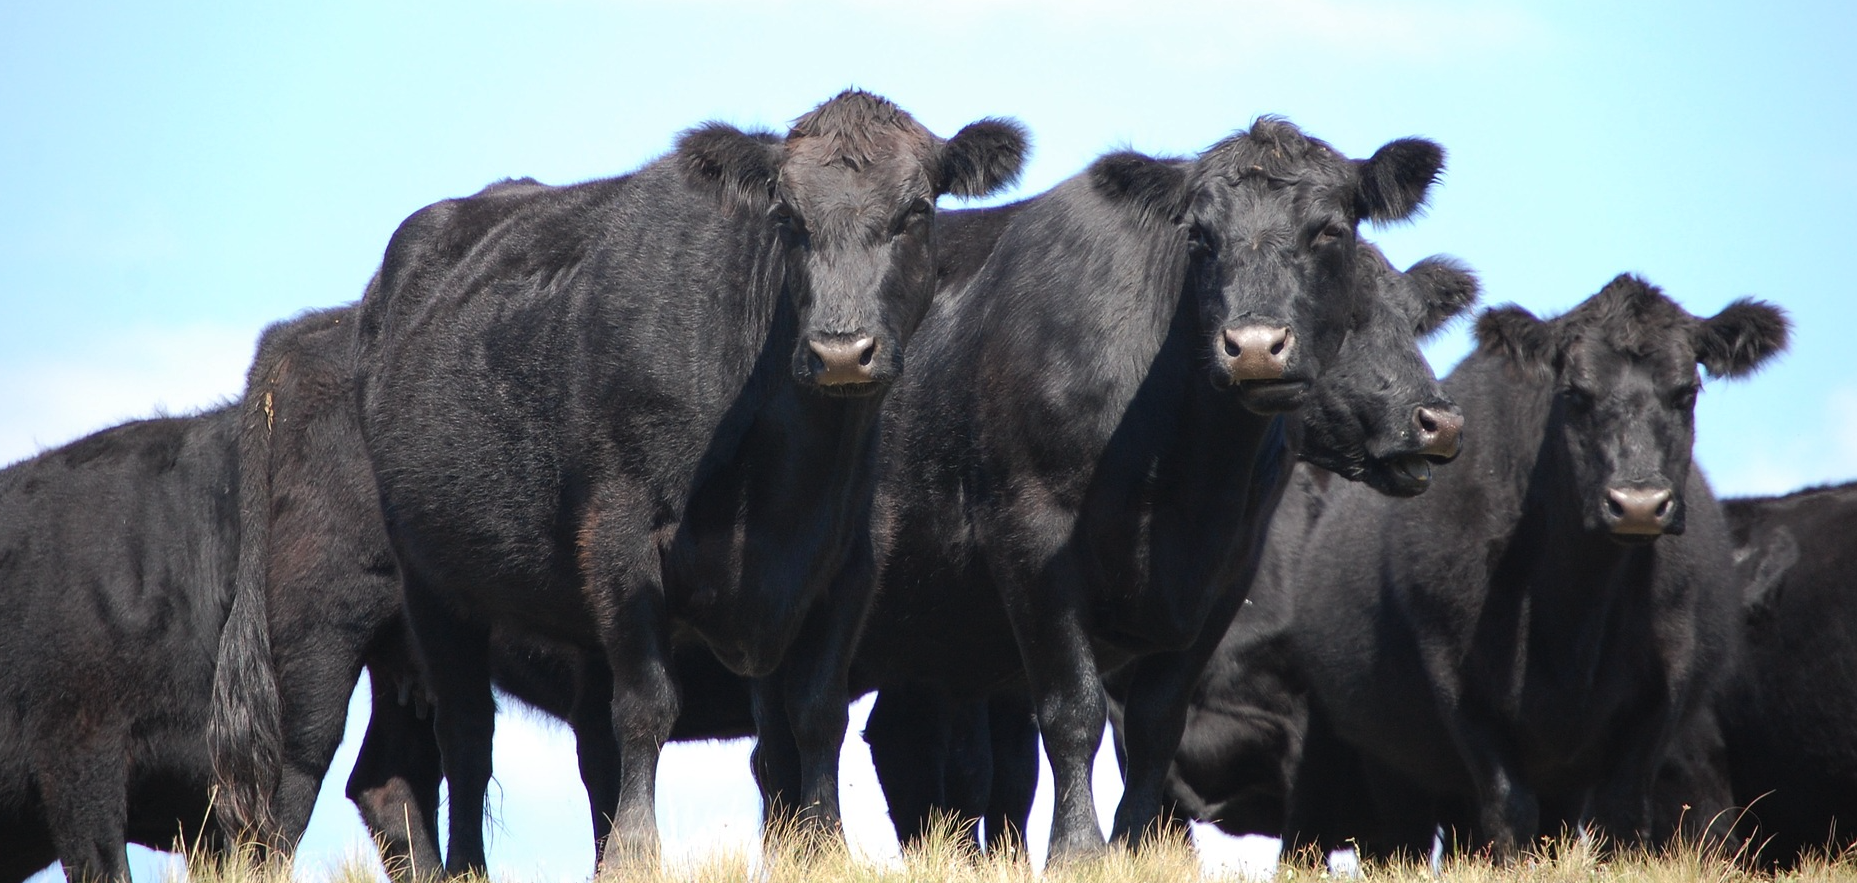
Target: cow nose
{"x":844,"y":361}
{"x":1258,"y":352}
{"x":1438,"y":431}
{"x":1639,"y":511}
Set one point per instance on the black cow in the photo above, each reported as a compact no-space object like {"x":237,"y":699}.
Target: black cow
{"x":1788,"y":719}
{"x":117,"y":558}
{"x":1514,"y":651}
{"x":977,"y":761}
{"x":1079,"y":466}
{"x":640,"y":412}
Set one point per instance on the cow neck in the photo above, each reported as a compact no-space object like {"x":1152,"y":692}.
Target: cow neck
{"x":1505,"y":417}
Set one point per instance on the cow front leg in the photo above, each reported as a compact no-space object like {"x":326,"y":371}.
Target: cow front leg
{"x":814,"y":680}
{"x":644,"y":707}
{"x":1067,"y":696}
{"x":455,"y":655}
{"x":1012,"y":731}
{"x":596,"y":747}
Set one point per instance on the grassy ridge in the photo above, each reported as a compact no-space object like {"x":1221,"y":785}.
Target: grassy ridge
{"x":949,"y":858}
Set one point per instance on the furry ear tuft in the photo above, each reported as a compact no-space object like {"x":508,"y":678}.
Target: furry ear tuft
{"x":983,"y":157}
{"x":1446,"y":288}
{"x":1739,"y":339}
{"x":1518,"y":335}
{"x":1155,"y":188}
{"x":741,"y":166}
{"x":1397,"y":179}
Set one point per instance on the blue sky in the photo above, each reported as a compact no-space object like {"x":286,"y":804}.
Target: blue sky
{"x":176,"y":175}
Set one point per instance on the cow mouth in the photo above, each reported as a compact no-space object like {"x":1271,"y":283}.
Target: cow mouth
{"x":1272,"y":396}
{"x":1407,"y":475}
{"x":850,"y":390}
{"x":1633,"y":539}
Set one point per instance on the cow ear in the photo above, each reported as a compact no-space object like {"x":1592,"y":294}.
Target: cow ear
{"x":1446,"y":289}
{"x":1775,"y":555}
{"x":1398,"y":178}
{"x":1515,"y":333}
{"x":983,"y":157}
{"x":1155,"y":188}
{"x":1743,"y":335}
{"x":740,"y":166}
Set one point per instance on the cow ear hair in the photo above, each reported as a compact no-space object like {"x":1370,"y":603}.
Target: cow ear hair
{"x":1397,"y":179}
{"x":1517,"y":334}
{"x":1446,"y":289}
{"x":1737,"y":340}
{"x":983,"y":157}
{"x":1156,"y":188}
{"x":1775,"y":555}
{"x":740,"y":166}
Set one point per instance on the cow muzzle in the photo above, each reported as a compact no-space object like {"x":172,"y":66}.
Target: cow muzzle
{"x":1638,"y":514}
{"x":843,"y":361}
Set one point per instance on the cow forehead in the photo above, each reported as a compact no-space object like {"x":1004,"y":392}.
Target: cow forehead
{"x":1599,"y":363}
{"x":834,"y":191}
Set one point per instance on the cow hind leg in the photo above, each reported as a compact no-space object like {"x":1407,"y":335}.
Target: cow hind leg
{"x":907,"y":738}
{"x":597,"y":748}
{"x":84,"y":788}
{"x":1012,"y":730}
{"x":456,"y":658}
{"x":396,"y":778}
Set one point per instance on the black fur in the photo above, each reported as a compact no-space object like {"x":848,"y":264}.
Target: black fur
{"x":1491,"y":655}
{"x":616,"y":435}
{"x":1067,"y":485}
{"x":984,"y":156}
{"x":118,"y":555}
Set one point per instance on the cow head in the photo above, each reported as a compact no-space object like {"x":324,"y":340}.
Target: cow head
{"x":1623,"y":367}
{"x":1269,"y":216}
{"x":849,"y":196}
{"x":1378,"y":415}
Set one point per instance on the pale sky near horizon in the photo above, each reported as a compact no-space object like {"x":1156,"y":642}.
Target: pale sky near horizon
{"x":177,"y":175}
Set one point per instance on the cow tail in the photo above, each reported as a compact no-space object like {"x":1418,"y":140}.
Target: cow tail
{"x":245,"y":732}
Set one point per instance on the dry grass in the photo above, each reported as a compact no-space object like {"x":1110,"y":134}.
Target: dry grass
{"x":949,"y":858}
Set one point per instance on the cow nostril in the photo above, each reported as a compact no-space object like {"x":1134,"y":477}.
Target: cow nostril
{"x":869,"y":352}
{"x":1663,"y":508}
{"x":1231,"y":347}
{"x":1276,"y":349}
{"x":1613,"y":507}
{"x":1428,"y":423}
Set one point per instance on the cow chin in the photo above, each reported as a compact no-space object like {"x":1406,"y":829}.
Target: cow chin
{"x":1268,"y":397}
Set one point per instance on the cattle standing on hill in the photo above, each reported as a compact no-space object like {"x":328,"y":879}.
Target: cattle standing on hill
{"x":641,"y":411}
{"x":1080,"y":464}
{"x":117,"y":560}
{"x":978,"y":761}
{"x":1517,"y":648}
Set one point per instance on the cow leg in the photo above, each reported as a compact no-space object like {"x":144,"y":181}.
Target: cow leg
{"x":84,"y":787}
{"x":814,"y":680}
{"x":1012,"y":731}
{"x":396,"y":777}
{"x":455,"y":656}
{"x":597,"y":748}
{"x":636,"y":636}
{"x":1507,"y":810}
{"x":1060,"y":668}
{"x":316,"y":677}
{"x":907,"y":737}
{"x":776,"y":758}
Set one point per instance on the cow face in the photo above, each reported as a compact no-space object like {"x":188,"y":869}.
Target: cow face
{"x":1379,"y":415}
{"x":1270,"y":223}
{"x":849,"y":197}
{"x":1623,"y":367}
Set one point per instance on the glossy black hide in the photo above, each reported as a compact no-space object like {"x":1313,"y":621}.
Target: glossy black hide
{"x":319,"y":599}
{"x":117,"y":559}
{"x":1497,"y":654}
{"x":929,"y":768}
{"x":1075,"y":475}
{"x":637,"y":413}
{"x":1789,"y":718}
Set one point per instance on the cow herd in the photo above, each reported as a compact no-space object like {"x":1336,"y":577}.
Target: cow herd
{"x":712,"y":448}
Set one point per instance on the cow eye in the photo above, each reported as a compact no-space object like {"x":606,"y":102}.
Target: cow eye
{"x":1198,"y":243}
{"x":919,"y":210}
{"x":1684,"y":396}
{"x":784,"y":217}
{"x":1576,"y":398}
{"x":1333,"y":231}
